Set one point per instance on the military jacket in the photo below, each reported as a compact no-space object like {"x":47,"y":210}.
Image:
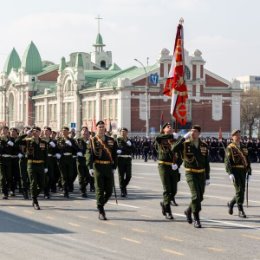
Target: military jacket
{"x":82,"y":145}
{"x":124,"y":147}
{"x":193,"y":157}
{"x":65,"y":148}
{"x":4,"y":147}
{"x":237,"y":158}
{"x":106,"y":150}
{"x":164,"y":146}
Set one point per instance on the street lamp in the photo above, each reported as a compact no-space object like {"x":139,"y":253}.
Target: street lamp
{"x":146,"y":98}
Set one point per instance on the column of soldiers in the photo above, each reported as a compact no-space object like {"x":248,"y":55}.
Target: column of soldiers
{"x":35,"y":161}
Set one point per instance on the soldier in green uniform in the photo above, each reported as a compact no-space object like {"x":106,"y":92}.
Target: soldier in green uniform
{"x":195,"y":157}
{"x":124,"y":153}
{"x":168,"y":165}
{"x":36,"y":153}
{"x":82,"y":168}
{"x":102,"y":162}
{"x":67,"y":147}
{"x":238,"y":167}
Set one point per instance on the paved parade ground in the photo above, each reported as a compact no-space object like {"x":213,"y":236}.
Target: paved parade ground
{"x":135,"y":229}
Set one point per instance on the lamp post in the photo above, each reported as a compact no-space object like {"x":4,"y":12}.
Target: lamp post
{"x":146,"y":98}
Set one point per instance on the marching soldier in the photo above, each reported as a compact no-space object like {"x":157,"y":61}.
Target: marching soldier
{"x":195,"y":157}
{"x":102,"y":162}
{"x":67,"y":147}
{"x":82,"y":168}
{"x":238,"y":167}
{"x":36,"y":152}
{"x":124,"y":152}
{"x":168,"y":165}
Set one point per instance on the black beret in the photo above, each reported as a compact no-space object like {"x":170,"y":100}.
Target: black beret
{"x":166,"y":124}
{"x":100,"y":122}
{"x":14,"y":129}
{"x":48,"y":128}
{"x":235,"y":131}
{"x":124,"y":129}
{"x":196,"y":127}
{"x":36,"y":128}
{"x":84,"y":127}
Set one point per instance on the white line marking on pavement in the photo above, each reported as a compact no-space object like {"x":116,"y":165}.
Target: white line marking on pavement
{"x":73,"y":224}
{"x":131,"y":240}
{"x":252,"y":237}
{"x":216,"y":249}
{"x":98,"y":231}
{"x":124,"y":205}
{"x":173,"y":238}
{"x":139,"y":230}
{"x":172,"y":251}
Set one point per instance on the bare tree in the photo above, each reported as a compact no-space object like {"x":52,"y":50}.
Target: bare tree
{"x":250,"y":112}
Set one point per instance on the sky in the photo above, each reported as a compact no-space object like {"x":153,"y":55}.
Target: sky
{"x":226,"y":32}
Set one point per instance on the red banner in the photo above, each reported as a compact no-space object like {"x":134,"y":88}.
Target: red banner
{"x":175,"y":85}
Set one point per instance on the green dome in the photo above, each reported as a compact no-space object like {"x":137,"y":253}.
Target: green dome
{"x":62,"y":64}
{"x":79,"y":61}
{"x":99,"y":40}
{"x":13,"y":62}
{"x":32,"y":62}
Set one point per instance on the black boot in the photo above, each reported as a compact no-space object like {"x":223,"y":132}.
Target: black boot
{"x":35,"y":204}
{"x":123,"y":192}
{"x":168,"y":212}
{"x":230,"y":207}
{"x":102,"y":214}
{"x":25,"y":195}
{"x":197,"y":220}
{"x":241,"y":212}
{"x":187,"y":213}
{"x":174,"y":203}
{"x":163,"y":208}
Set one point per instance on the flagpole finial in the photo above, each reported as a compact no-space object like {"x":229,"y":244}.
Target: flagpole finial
{"x":181,"y":21}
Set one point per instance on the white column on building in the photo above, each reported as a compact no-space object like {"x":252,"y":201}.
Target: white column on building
{"x":124,"y":109}
{"x":77,"y":110}
{"x":98,"y":106}
{"x":26,"y":119}
{"x":59,"y":107}
{"x":46,"y":110}
{"x":22,"y":105}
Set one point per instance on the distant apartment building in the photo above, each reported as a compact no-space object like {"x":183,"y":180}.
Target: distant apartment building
{"x":249,"y":82}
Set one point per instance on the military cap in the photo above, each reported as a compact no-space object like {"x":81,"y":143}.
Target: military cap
{"x":36,"y":128}
{"x":100,"y":122}
{"x":235,"y":131}
{"x":166,"y":124}
{"x":48,"y":128}
{"x":65,"y":128}
{"x":14,"y":129}
{"x":84,"y":127}
{"x":196,"y":127}
{"x":124,"y":129}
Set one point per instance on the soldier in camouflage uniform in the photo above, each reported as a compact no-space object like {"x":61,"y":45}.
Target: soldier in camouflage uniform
{"x":124,"y":152}
{"x":168,"y":165}
{"x":195,"y":157}
{"x":102,"y":162}
{"x":238,"y":167}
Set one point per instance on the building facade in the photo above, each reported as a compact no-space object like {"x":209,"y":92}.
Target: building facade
{"x":89,"y":87}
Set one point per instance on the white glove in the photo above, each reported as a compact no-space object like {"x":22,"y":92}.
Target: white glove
{"x":10,"y":143}
{"x":174,"y":166}
{"x":58,"y":155}
{"x":68,"y":142}
{"x":119,"y":151}
{"x":79,"y":154}
{"x":52,"y":144}
{"x":232,"y":177}
{"x":20,"y":155}
{"x":207,"y":182}
{"x":45,"y":170}
{"x":187,"y":135}
{"x":29,"y":132}
{"x":129,"y":143}
{"x":175,"y":135}
{"x":87,"y":142}
{"x":91,"y":172}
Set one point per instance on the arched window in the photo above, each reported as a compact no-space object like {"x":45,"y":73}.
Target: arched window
{"x":103,"y":64}
{"x":187,"y":73}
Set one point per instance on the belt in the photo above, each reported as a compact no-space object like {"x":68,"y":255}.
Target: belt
{"x":166,"y":163}
{"x":35,"y":161}
{"x":6,"y":155}
{"x":125,"y":156}
{"x":238,"y":166}
{"x":102,"y":162}
{"x":67,"y":154}
{"x":194,"y":170}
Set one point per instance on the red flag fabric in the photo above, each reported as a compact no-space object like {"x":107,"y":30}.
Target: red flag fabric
{"x":220,"y":134}
{"x":93,"y":126}
{"x":175,"y":85}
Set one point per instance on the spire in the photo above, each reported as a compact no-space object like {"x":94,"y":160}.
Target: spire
{"x":31,"y":61}
{"x":99,"y":40}
{"x":79,"y":61}
{"x":12,"y":62}
{"x":62,"y":64}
